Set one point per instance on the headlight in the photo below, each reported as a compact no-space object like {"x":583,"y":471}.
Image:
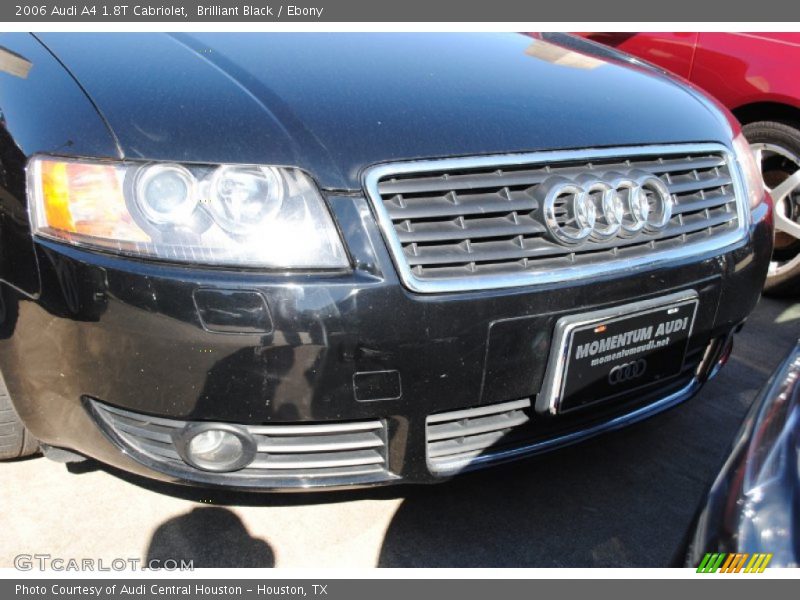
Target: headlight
{"x":166,"y":194}
{"x":238,"y":215}
{"x":751,"y":171}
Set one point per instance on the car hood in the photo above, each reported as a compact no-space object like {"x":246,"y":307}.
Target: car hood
{"x":335,"y":103}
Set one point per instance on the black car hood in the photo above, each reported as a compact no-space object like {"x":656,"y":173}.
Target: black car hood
{"x":335,"y":103}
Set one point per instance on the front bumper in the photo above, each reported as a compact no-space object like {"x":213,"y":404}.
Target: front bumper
{"x":333,"y":348}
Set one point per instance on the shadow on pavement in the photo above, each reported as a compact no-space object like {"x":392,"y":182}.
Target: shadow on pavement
{"x":209,"y":537}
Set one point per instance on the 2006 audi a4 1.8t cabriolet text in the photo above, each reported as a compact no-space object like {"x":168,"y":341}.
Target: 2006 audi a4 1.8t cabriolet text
{"x":300,"y":261}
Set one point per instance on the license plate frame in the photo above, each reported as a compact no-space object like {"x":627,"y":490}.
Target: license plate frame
{"x":551,"y":400}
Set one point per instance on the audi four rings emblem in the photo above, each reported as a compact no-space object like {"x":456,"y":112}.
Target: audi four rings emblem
{"x":627,"y":371}
{"x":600,"y":208}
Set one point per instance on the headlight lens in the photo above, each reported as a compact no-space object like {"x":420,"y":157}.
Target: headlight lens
{"x":166,"y":194}
{"x":219,"y":215}
{"x":242,"y":198}
{"x":751,"y":171}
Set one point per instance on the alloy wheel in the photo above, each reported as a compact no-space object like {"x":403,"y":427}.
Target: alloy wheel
{"x":780,"y":169}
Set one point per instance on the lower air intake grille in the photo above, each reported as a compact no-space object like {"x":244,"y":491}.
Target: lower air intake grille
{"x":503,"y":221}
{"x":464,"y":434}
{"x":287,"y":455}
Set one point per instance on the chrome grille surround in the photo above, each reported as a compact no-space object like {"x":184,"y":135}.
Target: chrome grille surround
{"x":513,"y":248}
{"x":301,"y":455}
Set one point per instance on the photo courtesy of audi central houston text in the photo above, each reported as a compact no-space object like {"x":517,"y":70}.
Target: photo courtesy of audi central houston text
{"x":327,"y":261}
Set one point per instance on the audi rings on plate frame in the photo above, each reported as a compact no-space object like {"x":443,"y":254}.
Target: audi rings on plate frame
{"x":627,"y":371}
{"x":600,"y":208}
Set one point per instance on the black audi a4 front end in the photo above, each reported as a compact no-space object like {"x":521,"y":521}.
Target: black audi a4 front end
{"x":300,"y":261}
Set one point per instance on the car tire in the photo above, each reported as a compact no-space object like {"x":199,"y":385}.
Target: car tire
{"x":15,"y":440}
{"x":777,"y":148}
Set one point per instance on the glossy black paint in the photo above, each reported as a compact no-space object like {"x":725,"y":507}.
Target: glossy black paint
{"x":129,"y":333}
{"x":232,"y":311}
{"x":44,"y":112}
{"x":334,"y":103}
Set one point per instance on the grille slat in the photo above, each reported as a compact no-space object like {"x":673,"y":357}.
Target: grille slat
{"x":490,"y":251}
{"x":317,"y":429}
{"x":475,"y":444}
{"x":471,"y":229}
{"x":694,"y":204}
{"x":491,"y":409}
{"x":317,"y":461}
{"x":462,"y":182}
{"x":137,"y":419}
{"x":524,"y":177}
{"x":307,"y":474}
{"x":677,"y":165}
{"x":701,"y":223}
{"x":692,"y":185}
{"x":151,"y":432}
{"x":469,"y":432}
{"x":439,"y":207}
{"x":157,"y":448}
{"x":319,"y":443}
{"x":477,"y":223}
{"x":474,"y":426}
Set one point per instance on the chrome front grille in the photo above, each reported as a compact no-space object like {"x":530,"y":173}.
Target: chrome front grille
{"x":287,"y":455}
{"x":462,"y":435}
{"x":477,"y":223}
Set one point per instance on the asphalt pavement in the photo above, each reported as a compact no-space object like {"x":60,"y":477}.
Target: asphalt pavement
{"x":625,"y":499}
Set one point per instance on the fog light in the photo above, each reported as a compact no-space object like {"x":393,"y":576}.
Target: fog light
{"x":216,"y":447}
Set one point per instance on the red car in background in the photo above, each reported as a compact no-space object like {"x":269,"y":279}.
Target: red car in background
{"x":757,"y":76}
